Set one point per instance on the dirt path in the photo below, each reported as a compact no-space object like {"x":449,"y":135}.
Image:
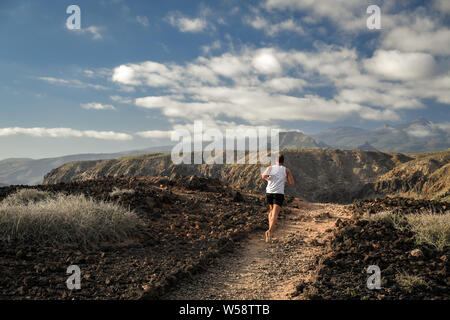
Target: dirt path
{"x":258,"y":270}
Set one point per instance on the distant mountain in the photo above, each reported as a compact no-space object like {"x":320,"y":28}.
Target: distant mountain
{"x":342,"y":137}
{"x":299,"y":140}
{"x":366,"y":147}
{"x":420,"y":135}
{"x":31,"y":171}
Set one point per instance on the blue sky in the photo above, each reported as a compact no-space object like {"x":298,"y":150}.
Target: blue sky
{"x":139,"y":69}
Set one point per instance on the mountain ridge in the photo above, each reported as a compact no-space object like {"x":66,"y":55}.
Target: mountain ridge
{"x":420,"y":135}
{"x":31,"y":171}
{"x":322,"y":175}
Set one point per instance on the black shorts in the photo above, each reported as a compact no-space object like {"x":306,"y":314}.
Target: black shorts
{"x":275,"y":198}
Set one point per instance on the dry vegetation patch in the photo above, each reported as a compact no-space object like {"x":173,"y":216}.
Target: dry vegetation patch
{"x":25,"y":196}
{"x":35,"y":216}
{"x":431,"y":229}
{"x":407,"y":239}
{"x":410,"y":282}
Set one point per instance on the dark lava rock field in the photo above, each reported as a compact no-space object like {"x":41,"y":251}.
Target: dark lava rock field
{"x":186,"y":223}
{"x":356,"y":244}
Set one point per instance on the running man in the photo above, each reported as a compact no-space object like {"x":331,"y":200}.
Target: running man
{"x":276,"y":176}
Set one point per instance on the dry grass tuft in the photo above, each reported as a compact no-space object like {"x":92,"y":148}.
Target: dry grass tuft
{"x":410,"y":282}
{"x":63,"y":219}
{"x":387,"y":217}
{"x":26,"y":196}
{"x":431,"y":229}
{"x":118,"y":192}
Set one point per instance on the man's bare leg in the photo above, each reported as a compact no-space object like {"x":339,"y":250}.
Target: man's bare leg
{"x":268,"y":217}
{"x":272,"y":220}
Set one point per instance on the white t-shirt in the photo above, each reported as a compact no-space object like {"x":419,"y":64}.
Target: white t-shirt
{"x":277,"y":180}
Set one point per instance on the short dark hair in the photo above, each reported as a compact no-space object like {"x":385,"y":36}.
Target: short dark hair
{"x":280,"y":158}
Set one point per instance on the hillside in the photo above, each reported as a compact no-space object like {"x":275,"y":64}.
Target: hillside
{"x":31,"y":171}
{"x":324,"y":175}
{"x":426,"y":177}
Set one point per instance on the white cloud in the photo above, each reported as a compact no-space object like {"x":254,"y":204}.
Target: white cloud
{"x":97,"y":106}
{"x":333,"y":63}
{"x":272,"y":29}
{"x":348,"y":14}
{"x":65,"y":133}
{"x":436,"y":41}
{"x":155,"y":134}
{"x":94,"y":31}
{"x":72,"y":83}
{"x":227,"y":65}
{"x":143,"y":20}
{"x":265,"y":85}
{"x":125,"y":74}
{"x":396,"y":65}
{"x":285,"y":84}
{"x":148,"y":73}
{"x":387,"y":98}
{"x":102,"y":73}
{"x":214,"y":46}
{"x":185,"y":24}
{"x":257,"y":106}
{"x":419,"y":131}
{"x":442,"y":5}
{"x":121,"y":99}
{"x":89,"y":73}
{"x":445,"y":126}
{"x":266,"y":63}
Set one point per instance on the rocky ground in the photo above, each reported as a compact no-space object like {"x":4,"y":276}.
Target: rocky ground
{"x":200,"y":239}
{"x":356,"y":244}
{"x":260,"y":270}
{"x":187,"y":223}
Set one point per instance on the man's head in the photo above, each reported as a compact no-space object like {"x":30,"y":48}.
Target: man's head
{"x":280,"y":159}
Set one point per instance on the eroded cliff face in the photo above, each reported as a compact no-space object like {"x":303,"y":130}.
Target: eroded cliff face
{"x":427,"y":176}
{"x":322,"y":175}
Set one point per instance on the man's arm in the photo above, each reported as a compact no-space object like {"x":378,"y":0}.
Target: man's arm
{"x":266,"y":173}
{"x":290,"y":178}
